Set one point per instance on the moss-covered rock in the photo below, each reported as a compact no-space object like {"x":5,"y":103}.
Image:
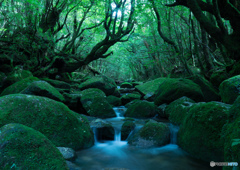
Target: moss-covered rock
{"x":126,"y":85}
{"x":151,"y":134}
{"x":209,"y":92}
{"x":95,"y":103}
{"x":178,"y":109}
{"x":127,"y":128}
{"x":141,"y":109}
{"x":231,"y":135}
{"x":218,"y":77}
{"x":25,"y":148}
{"x":128,"y":97}
{"x":44,"y":89}
{"x":230,"y":89}
{"x":61,"y":85}
{"x":200,"y":133}
{"x":54,"y":119}
{"x":162,"y":111}
{"x":174,"y":88}
{"x":106,"y":84}
{"x":114,"y":101}
{"x":19,"y":86}
{"x":150,"y":87}
{"x":17,"y":75}
{"x":73,"y":102}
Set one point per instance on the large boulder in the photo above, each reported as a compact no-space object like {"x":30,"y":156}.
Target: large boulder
{"x":114,"y":101}
{"x":54,"y":119}
{"x":209,"y":92}
{"x":127,"y":128}
{"x":178,"y":109}
{"x":231,"y":135}
{"x":95,"y":103}
{"x":141,"y":109}
{"x":128,"y":97}
{"x":174,"y":88}
{"x":19,"y":86}
{"x":152,"y":134}
{"x":25,"y":148}
{"x":230,"y":89}
{"x":44,"y":89}
{"x":200,"y":133}
{"x":149,"y":88}
{"x":106,"y":84}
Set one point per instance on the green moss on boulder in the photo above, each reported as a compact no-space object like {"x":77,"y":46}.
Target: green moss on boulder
{"x":230,"y":89}
{"x":200,"y":133}
{"x":128,"y":97}
{"x":152,"y":134}
{"x":127,"y":128}
{"x":114,"y":101}
{"x":95,"y":103}
{"x":141,"y":109}
{"x":17,"y":75}
{"x":25,"y":148}
{"x":106,"y":84}
{"x":178,"y":109}
{"x":174,"y":88}
{"x":44,"y":89}
{"x":19,"y":86}
{"x":57,"y":83}
{"x":54,"y":119}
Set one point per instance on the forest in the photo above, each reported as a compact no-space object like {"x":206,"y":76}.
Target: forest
{"x":126,"y":79}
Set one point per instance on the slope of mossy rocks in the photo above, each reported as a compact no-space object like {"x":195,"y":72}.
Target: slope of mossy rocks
{"x":218,"y":77}
{"x":152,"y":134}
{"x":17,"y":75}
{"x":44,"y":89}
{"x":178,"y":109}
{"x":25,"y":148}
{"x":231,"y":135}
{"x":141,"y":109}
{"x":95,"y":103}
{"x":127,"y":128}
{"x":18,"y":86}
{"x":209,"y":92}
{"x":174,"y":88}
{"x":149,"y":88}
{"x":114,"y":101}
{"x":200,"y":133}
{"x":126,"y":85}
{"x":106,"y":84}
{"x":230,"y":89}
{"x":54,"y":119}
{"x":128,"y":97}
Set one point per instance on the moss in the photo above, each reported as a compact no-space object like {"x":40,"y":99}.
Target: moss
{"x":95,"y":103}
{"x":177,"y":110}
{"x":218,"y":77}
{"x":19,"y":86}
{"x":17,"y":75}
{"x":152,"y":133}
{"x":230,"y":89}
{"x":106,"y":84}
{"x":126,"y":85}
{"x":58,"y":84}
{"x":200,"y":132}
{"x":172,"y":89}
{"x":126,"y":98}
{"x":42,"y":88}
{"x":141,"y":109}
{"x":114,"y":101}
{"x":25,"y":148}
{"x":127,"y":128}
{"x":54,"y":119}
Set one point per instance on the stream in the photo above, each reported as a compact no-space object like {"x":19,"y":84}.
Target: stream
{"x":119,"y":155}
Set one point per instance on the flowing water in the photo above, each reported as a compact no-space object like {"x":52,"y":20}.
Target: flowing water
{"x":119,"y":155}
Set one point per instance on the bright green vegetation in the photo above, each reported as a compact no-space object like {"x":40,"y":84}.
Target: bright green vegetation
{"x":25,"y":148}
{"x":53,"y":119}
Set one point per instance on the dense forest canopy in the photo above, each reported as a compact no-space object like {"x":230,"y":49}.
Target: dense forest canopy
{"x":139,"y":39}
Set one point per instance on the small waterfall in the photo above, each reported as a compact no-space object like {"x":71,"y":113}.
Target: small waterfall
{"x":119,"y":111}
{"x":117,"y":135}
{"x":173,"y":133}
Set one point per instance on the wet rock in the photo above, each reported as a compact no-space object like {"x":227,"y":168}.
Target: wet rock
{"x":68,"y":153}
{"x":25,"y":148}
{"x":95,"y":103}
{"x":104,"y":129}
{"x":127,"y":128}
